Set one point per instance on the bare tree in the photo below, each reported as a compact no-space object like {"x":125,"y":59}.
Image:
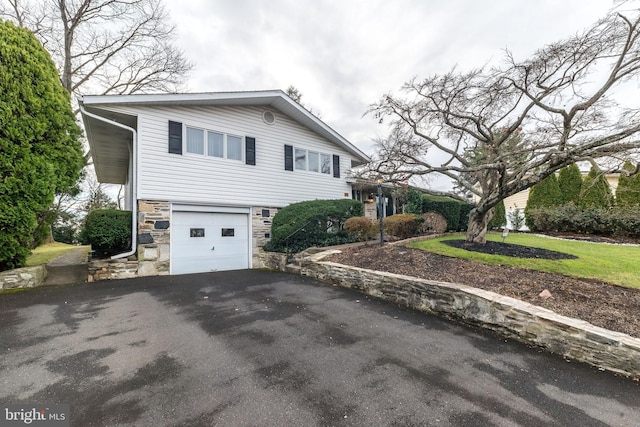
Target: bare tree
{"x":497,"y":131}
{"x":105,"y":46}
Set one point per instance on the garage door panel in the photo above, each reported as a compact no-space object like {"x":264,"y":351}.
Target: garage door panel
{"x":203,"y":242}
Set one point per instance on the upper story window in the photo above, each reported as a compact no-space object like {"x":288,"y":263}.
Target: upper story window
{"x":312,"y":161}
{"x":218,"y":144}
{"x":205,"y":142}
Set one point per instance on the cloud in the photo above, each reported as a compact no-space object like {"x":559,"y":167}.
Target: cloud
{"x":344,"y":55}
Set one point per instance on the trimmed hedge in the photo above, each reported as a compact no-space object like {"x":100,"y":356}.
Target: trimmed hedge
{"x":108,"y":231}
{"x":312,"y":223}
{"x":616,"y":221}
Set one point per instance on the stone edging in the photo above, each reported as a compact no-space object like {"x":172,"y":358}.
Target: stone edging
{"x":25,"y":277}
{"x":573,"y":338}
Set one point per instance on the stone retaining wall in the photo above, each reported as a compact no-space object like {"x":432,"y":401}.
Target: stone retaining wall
{"x":112,"y":269}
{"x":572,"y":338}
{"x":26,"y":277}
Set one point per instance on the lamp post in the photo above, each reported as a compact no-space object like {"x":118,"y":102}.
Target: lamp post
{"x":380,"y":209}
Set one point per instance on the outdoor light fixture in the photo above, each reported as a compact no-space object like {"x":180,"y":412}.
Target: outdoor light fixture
{"x":380,"y":209}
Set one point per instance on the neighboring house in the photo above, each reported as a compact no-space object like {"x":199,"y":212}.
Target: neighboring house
{"x":205,"y":173}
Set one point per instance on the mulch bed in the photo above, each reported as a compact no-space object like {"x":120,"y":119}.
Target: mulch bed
{"x":599,"y":303}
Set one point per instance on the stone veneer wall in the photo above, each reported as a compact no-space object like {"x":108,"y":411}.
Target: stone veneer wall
{"x":572,"y":338}
{"x":261,"y":219}
{"x":26,"y":277}
{"x":154,"y":237}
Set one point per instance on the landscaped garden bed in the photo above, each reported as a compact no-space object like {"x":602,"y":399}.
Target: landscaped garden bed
{"x":596,"y":301}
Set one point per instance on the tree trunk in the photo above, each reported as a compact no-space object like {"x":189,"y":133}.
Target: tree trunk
{"x":478,"y":222}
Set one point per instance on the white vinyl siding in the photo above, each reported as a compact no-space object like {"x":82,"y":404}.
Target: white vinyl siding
{"x":204,"y":179}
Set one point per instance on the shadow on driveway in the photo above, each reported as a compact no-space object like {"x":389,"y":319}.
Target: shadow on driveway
{"x":262,"y":348}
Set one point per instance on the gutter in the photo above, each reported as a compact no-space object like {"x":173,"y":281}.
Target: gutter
{"x":133,"y":152}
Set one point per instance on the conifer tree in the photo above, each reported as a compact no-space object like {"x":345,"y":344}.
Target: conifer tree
{"x":596,"y":192}
{"x":570,"y":182}
{"x":628,"y":190}
{"x":39,"y":147}
{"x":544,"y":194}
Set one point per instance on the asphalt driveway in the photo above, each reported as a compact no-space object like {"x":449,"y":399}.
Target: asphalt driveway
{"x":262,"y":348}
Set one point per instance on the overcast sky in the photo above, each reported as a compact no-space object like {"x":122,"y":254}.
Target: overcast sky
{"x":343,"y":55}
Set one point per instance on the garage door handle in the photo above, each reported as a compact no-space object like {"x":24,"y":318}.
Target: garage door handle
{"x":213,"y":248}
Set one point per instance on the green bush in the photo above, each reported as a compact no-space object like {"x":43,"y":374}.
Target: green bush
{"x":108,"y":231}
{"x":403,"y":226}
{"x":617,"y":221}
{"x":312,"y":223}
{"x":360,"y":228}
{"x":414,"y":202}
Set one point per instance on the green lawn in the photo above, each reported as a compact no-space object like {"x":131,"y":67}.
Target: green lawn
{"x":619,"y":264}
{"x":45,"y":253}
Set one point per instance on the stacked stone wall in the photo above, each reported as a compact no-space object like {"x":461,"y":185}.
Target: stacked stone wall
{"x":261,"y":219}
{"x":26,"y":277}
{"x":154,"y":237}
{"x":572,"y":338}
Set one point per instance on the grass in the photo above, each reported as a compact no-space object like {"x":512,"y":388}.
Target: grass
{"x":47,"y":252}
{"x":612,"y":263}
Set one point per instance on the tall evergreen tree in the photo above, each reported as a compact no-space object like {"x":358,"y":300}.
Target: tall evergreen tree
{"x":39,"y":147}
{"x":628,"y":190}
{"x":544,"y":194}
{"x":570,"y":182}
{"x":596,"y":192}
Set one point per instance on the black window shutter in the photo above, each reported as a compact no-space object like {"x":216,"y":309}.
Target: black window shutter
{"x":250,"y":150}
{"x":175,"y":137}
{"x":288,"y":158}
{"x":336,"y":166}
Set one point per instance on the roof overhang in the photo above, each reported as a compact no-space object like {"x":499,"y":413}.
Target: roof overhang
{"x":110,"y":144}
{"x":275,"y":99}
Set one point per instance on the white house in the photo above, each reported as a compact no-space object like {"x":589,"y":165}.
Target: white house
{"x":205,"y":173}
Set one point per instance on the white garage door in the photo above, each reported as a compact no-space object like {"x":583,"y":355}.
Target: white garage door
{"x":204,"y":241}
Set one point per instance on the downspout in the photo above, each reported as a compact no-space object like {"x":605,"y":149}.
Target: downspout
{"x":133,"y":152}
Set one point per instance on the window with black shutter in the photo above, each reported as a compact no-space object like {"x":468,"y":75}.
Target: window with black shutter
{"x":288,"y":157}
{"x":250,"y":150}
{"x":175,"y":137}
{"x":336,"y":166}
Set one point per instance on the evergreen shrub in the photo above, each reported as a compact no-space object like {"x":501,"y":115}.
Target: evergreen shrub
{"x":302,"y":225}
{"x":108,"y":231}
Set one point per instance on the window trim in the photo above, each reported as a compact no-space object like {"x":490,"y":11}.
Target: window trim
{"x":225,"y":144}
{"x":291,"y":158}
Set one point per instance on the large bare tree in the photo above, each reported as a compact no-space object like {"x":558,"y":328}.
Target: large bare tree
{"x":105,"y":46}
{"x":497,"y":131}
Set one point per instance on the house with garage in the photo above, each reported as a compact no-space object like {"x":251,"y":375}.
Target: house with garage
{"x":204,"y":173}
